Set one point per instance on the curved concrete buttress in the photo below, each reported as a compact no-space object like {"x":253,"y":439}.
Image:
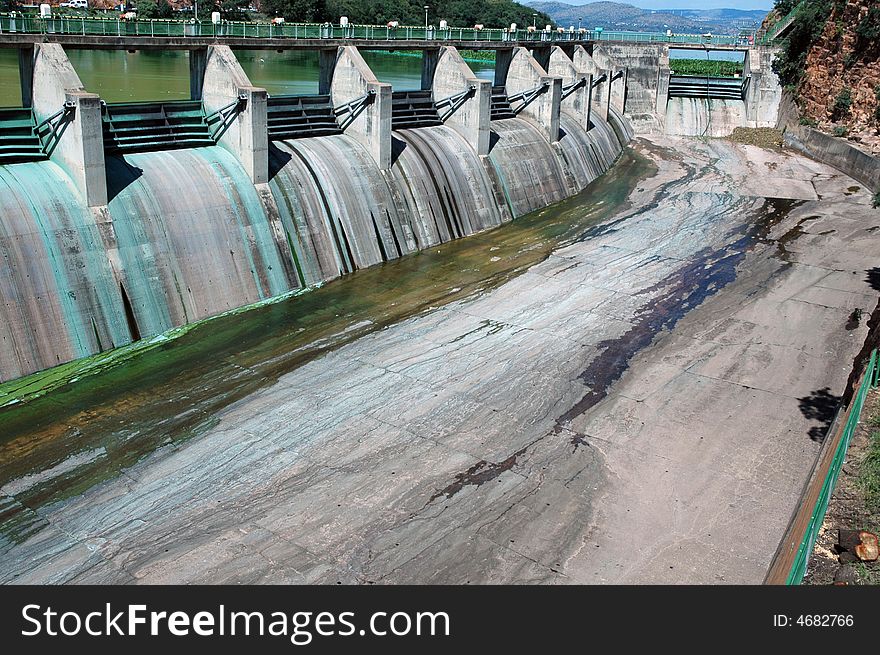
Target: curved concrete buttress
{"x":586,"y":155}
{"x":621,"y":125}
{"x":187,"y":235}
{"x":444,"y":186}
{"x":334,"y":200}
{"x":527,"y":166}
{"x":59,"y":297}
{"x":193,"y":237}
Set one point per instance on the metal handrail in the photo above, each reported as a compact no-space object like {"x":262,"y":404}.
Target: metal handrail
{"x":571,"y":88}
{"x":789,"y":567}
{"x":455,"y":101}
{"x":14,"y":23}
{"x":353,"y":108}
{"x":58,"y":123}
{"x":781,"y":24}
{"x":225,"y":114}
{"x":527,"y":96}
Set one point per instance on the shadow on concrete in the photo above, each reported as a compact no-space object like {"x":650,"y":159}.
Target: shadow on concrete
{"x":119,"y":175}
{"x":397,"y":147}
{"x":873,"y":278}
{"x":821,"y":405}
{"x":277,"y":159}
{"x":493,"y":139}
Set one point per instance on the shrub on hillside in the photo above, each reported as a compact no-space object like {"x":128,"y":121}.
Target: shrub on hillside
{"x":868,"y":29}
{"x":842,"y":104}
{"x":877,"y":98}
{"x":805,"y":29}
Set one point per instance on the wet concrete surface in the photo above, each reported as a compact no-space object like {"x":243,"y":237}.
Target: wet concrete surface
{"x":630,"y":409}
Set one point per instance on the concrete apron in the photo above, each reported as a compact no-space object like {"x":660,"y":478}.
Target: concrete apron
{"x":641,"y":406}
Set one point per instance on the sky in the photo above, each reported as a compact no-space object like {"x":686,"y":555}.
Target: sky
{"x":690,"y":4}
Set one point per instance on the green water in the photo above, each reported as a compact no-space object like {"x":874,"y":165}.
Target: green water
{"x":121,"y":76}
{"x":164,"y":391}
{"x":10,"y":87}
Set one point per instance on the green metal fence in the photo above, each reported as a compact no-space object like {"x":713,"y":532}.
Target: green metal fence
{"x":783,"y":22}
{"x":117,"y":26}
{"x":870,"y":380}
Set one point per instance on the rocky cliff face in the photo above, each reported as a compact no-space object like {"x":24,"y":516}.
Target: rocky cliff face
{"x":842,"y":60}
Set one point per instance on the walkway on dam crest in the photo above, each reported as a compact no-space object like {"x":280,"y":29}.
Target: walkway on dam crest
{"x":638,"y":407}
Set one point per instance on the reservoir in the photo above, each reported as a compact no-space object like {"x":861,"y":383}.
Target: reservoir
{"x":121,"y":76}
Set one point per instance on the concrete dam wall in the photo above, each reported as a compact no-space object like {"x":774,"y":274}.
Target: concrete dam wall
{"x":660,"y":101}
{"x":110,"y":245}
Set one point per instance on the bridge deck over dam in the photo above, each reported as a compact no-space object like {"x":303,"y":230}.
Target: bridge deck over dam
{"x":181,"y":42}
{"x":116,"y":33}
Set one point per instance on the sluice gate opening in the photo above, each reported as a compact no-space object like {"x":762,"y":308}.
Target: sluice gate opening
{"x":146,"y":126}
{"x":411,"y":109}
{"x":719,"y":88}
{"x":300,"y":116}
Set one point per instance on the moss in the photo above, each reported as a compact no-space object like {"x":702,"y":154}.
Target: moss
{"x":764,"y":137}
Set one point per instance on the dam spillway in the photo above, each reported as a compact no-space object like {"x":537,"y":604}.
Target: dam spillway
{"x":618,"y":366}
{"x":106,"y":243}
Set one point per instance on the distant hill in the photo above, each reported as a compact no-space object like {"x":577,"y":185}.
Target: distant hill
{"x":620,"y":16}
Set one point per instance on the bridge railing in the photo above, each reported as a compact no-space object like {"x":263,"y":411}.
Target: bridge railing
{"x":116,"y":26}
{"x":781,"y":25}
{"x":791,"y":560}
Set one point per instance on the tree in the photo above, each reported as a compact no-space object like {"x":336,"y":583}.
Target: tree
{"x":805,"y":29}
{"x":458,"y":13}
{"x":147,"y":9}
{"x":163,"y":9}
{"x":235,"y":9}
{"x":296,"y":11}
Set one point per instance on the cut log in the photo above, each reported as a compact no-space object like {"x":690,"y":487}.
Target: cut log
{"x":869,"y":548}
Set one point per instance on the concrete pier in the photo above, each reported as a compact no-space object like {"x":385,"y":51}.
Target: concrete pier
{"x":643,"y":63}
{"x":764,"y":92}
{"x":353,"y":79}
{"x":578,"y":102}
{"x":80,"y":146}
{"x":525,"y":74}
{"x":600,"y":97}
{"x":663,"y":75}
{"x":618,"y":88}
{"x":451,"y":75}
{"x":246,"y":136}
